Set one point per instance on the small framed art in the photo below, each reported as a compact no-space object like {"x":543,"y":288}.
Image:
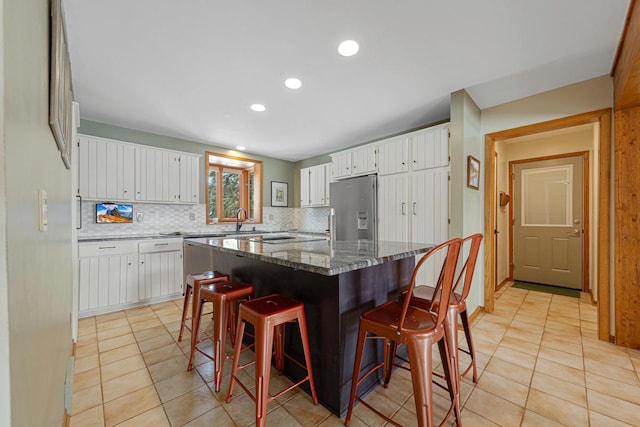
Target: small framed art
{"x":279,"y":195}
{"x":473,"y":173}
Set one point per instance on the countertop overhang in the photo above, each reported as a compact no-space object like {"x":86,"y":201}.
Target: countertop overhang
{"x":324,"y":257}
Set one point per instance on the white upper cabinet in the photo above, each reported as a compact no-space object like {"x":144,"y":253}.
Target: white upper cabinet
{"x":305,"y":187}
{"x":394,"y":156}
{"x":106,"y":169}
{"x":314,"y":186}
{"x":189,"y":178}
{"x":166,"y":176}
{"x":430,"y":148}
{"x":157,"y":175}
{"x":420,"y":150}
{"x":363,"y":160}
{"x":117,"y":171}
{"x":358,"y":161}
{"x":341,"y":165}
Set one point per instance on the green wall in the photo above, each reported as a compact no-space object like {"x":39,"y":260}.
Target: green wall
{"x":273,"y":169}
{"x":38,"y":273}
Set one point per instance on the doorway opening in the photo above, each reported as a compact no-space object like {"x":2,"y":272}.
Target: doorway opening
{"x":549,"y":215}
{"x":601,"y":191}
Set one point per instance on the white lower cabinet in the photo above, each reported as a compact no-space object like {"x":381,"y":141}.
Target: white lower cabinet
{"x":108,"y":274}
{"x":393,"y":200}
{"x":117,"y":274}
{"x":414,"y":207}
{"x":160,"y":269}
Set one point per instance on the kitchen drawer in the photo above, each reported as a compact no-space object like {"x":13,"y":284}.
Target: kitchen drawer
{"x":107,"y":248}
{"x":160,"y":245}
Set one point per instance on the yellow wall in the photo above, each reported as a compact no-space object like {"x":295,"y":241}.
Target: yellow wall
{"x":589,"y":95}
{"x":38,"y":270}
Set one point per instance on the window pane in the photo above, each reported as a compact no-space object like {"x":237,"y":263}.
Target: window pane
{"x":230,"y":193}
{"x":213,"y":193}
{"x":252,"y":201}
{"x":233,"y":183}
{"x":546,"y":196}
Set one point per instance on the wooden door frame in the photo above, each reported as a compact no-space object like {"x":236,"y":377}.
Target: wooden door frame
{"x":603,"y":118}
{"x":585,"y":209}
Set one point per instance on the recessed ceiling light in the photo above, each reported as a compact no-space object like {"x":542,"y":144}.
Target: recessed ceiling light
{"x":348,"y":48}
{"x":293,"y":83}
{"x":258,"y":107}
{"x":240,"y":147}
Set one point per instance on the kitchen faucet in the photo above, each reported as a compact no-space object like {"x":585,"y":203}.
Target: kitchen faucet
{"x":238,"y":223}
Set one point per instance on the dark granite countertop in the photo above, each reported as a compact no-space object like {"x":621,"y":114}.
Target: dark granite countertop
{"x":318,"y":256}
{"x":187,"y":235}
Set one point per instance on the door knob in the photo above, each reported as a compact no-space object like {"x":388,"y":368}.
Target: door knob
{"x":575,"y":232}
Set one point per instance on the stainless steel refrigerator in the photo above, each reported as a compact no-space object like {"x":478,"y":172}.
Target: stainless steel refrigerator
{"x":354,"y":206}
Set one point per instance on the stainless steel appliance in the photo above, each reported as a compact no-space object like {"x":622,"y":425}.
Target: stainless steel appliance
{"x":354,"y":203}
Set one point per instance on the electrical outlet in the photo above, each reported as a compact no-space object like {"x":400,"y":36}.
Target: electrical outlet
{"x":270,"y":217}
{"x":139,"y":216}
{"x":192,"y":216}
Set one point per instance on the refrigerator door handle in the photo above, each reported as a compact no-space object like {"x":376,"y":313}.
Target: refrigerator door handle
{"x":404,"y":211}
{"x":414,"y":208}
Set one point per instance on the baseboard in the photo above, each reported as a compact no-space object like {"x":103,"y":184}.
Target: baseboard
{"x":68,"y":390}
{"x":504,"y":282}
{"x":119,"y":307}
{"x":66,"y":422}
{"x":473,"y":316}
{"x":593,"y":301}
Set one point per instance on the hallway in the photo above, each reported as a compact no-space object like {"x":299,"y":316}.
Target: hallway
{"x":539,"y":361}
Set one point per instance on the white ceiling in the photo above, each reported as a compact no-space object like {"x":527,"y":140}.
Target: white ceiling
{"x":191,"y":69}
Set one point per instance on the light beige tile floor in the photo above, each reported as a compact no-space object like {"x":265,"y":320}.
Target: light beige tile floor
{"x":539,"y":362}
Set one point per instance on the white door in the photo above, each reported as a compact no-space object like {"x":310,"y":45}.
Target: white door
{"x":548,"y":222}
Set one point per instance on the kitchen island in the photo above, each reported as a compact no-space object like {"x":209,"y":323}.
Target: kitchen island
{"x":336,"y":280}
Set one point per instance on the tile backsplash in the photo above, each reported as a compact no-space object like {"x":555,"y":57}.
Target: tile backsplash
{"x":156,"y":218}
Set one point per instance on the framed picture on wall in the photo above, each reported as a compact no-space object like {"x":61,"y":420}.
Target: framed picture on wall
{"x":60,"y":90}
{"x":473,"y":173}
{"x":279,"y":195}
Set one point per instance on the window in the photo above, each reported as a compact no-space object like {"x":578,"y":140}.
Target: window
{"x":233,"y":183}
{"x":546,"y":197}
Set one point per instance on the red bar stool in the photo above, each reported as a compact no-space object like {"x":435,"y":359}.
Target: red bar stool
{"x":419,"y":329}
{"x":268,"y":315}
{"x":225,"y":297}
{"x":194,"y":281}
{"x":423,"y":297}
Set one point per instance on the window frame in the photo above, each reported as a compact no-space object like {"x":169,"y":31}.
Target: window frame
{"x":244,"y":184}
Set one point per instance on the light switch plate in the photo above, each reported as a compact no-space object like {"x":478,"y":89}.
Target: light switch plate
{"x":42,"y":210}
{"x":192,"y":216}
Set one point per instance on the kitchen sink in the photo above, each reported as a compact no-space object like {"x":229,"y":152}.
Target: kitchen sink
{"x":266,"y":239}
{"x":283,"y":239}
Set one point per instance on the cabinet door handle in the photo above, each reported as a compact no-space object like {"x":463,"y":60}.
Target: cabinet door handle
{"x":161,"y":244}
{"x":414,"y":208}
{"x":106,"y":247}
{"x":404,"y":205}
{"x":79,"y":211}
